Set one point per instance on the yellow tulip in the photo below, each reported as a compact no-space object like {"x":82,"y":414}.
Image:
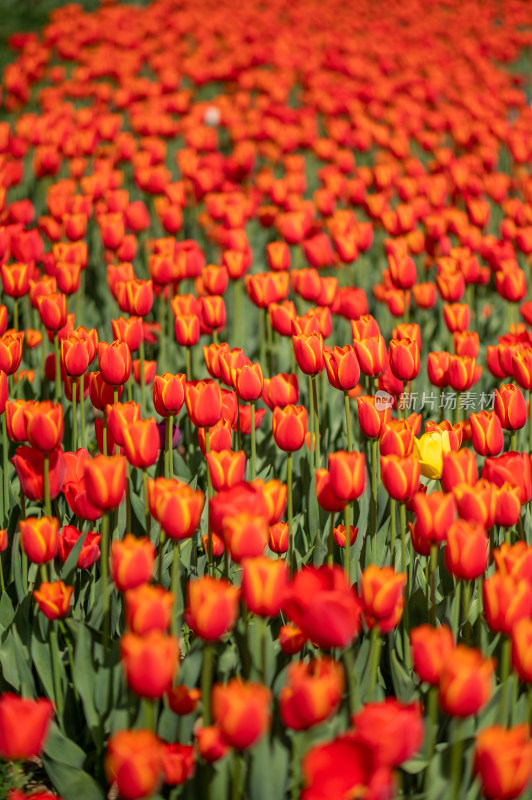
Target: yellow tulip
{"x":430,"y":448}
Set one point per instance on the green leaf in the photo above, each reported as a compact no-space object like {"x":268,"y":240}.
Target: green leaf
{"x":85,"y":677}
{"x":7,"y":611}
{"x":403,"y":682}
{"x":415,"y":765}
{"x":72,"y":782}
{"x":16,"y":567}
{"x":268,"y":772}
{"x":42,"y":660}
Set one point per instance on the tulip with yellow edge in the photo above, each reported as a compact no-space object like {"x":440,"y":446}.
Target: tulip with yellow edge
{"x":429,"y":449}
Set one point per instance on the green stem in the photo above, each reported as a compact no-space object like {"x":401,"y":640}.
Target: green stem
{"x":312,"y":431}
{"x":104,"y":435}
{"x":330,"y":544}
{"x":162,"y":539}
{"x":58,"y":697}
{"x":206,"y":681}
{"x":188,"y":364}
{"x":316,"y":420}
{"x":432,"y":713}
{"x":167,"y":445}
{"x":149,"y":715}
{"x":15,"y":313}
{"x":128,"y":500}
{"x":374,"y":657}
{"x":175,"y":589}
{"x":147,"y":515}
{"x":348,"y":422}
{"x":75,"y":384}
{"x":63,"y":630}
{"x":82,"y":412}
{"x":237,"y":776}
{"x":530,"y":421}
{"x":374,"y":456}
{"x":457,"y":409}
{"x":406,"y":627}
{"x":253,"y":444}
{"x":142,"y":357}
{"x":402,"y":525}
{"x":290,"y":513}
{"x":57,"y":393}
{"x":457,"y":748}
{"x":104,"y":566}
{"x":5,"y":488}
{"x":162,"y":333}
{"x":295,"y":767}
{"x":513,"y":441}
{"x":455,"y":622}
{"x":352,"y":683}
{"x":269,"y":331}
{"x":347,"y":549}
{"x":393,"y":531}
{"x":115,"y":400}
{"x":262,"y":335}
{"x":505,"y":672}
{"x":433,"y":567}
{"x":47,"y":500}
{"x":466,"y":602}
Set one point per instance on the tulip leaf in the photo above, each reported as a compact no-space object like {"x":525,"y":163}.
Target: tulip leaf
{"x":84,"y":677}
{"x":219,"y":785}
{"x":403,"y":683}
{"x":138,"y":515}
{"x":7,"y":611}
{"x":71,"y":781}
{"x":16,"y":567}
{"x":8,"y":661}
{"x":268,"y":771}
{"x":415,"y":765}
{"x":42,"y":660}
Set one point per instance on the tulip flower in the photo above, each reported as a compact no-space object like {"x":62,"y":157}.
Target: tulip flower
{"x":467,"y":550}
{"x":212,"y":607}
{"x":486,"y":432}
{"x":340,"y":765}
{"x":39,"y":538}
{"x":150,"y":662}
{"x":404,"y":359}
{"x":24,"y":725}
{"x":90,"y":550}
{"x":394,"y":730}
{"x":465,"y":683}
{"x":53,"y":599}
{"x":105,"y":481}
{"x":312,"y":693}
{"x":148,"y":608}
{"x":182,"y":700}
{"x":242,"y":712}
{"x":264,"y":584}
{"x":134,"y":761}
{"x":323,"y":605}
{"x":382,"y":595}
{"x":132,"y":562}
{"x":178,"y":763}
{"x":114,"y":361}
{"x":204,"y":402}
{"x":431,"y":648}
{"x":503,"y":761}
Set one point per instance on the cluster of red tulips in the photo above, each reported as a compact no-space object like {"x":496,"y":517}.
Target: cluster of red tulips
{"x":265,"y":399}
